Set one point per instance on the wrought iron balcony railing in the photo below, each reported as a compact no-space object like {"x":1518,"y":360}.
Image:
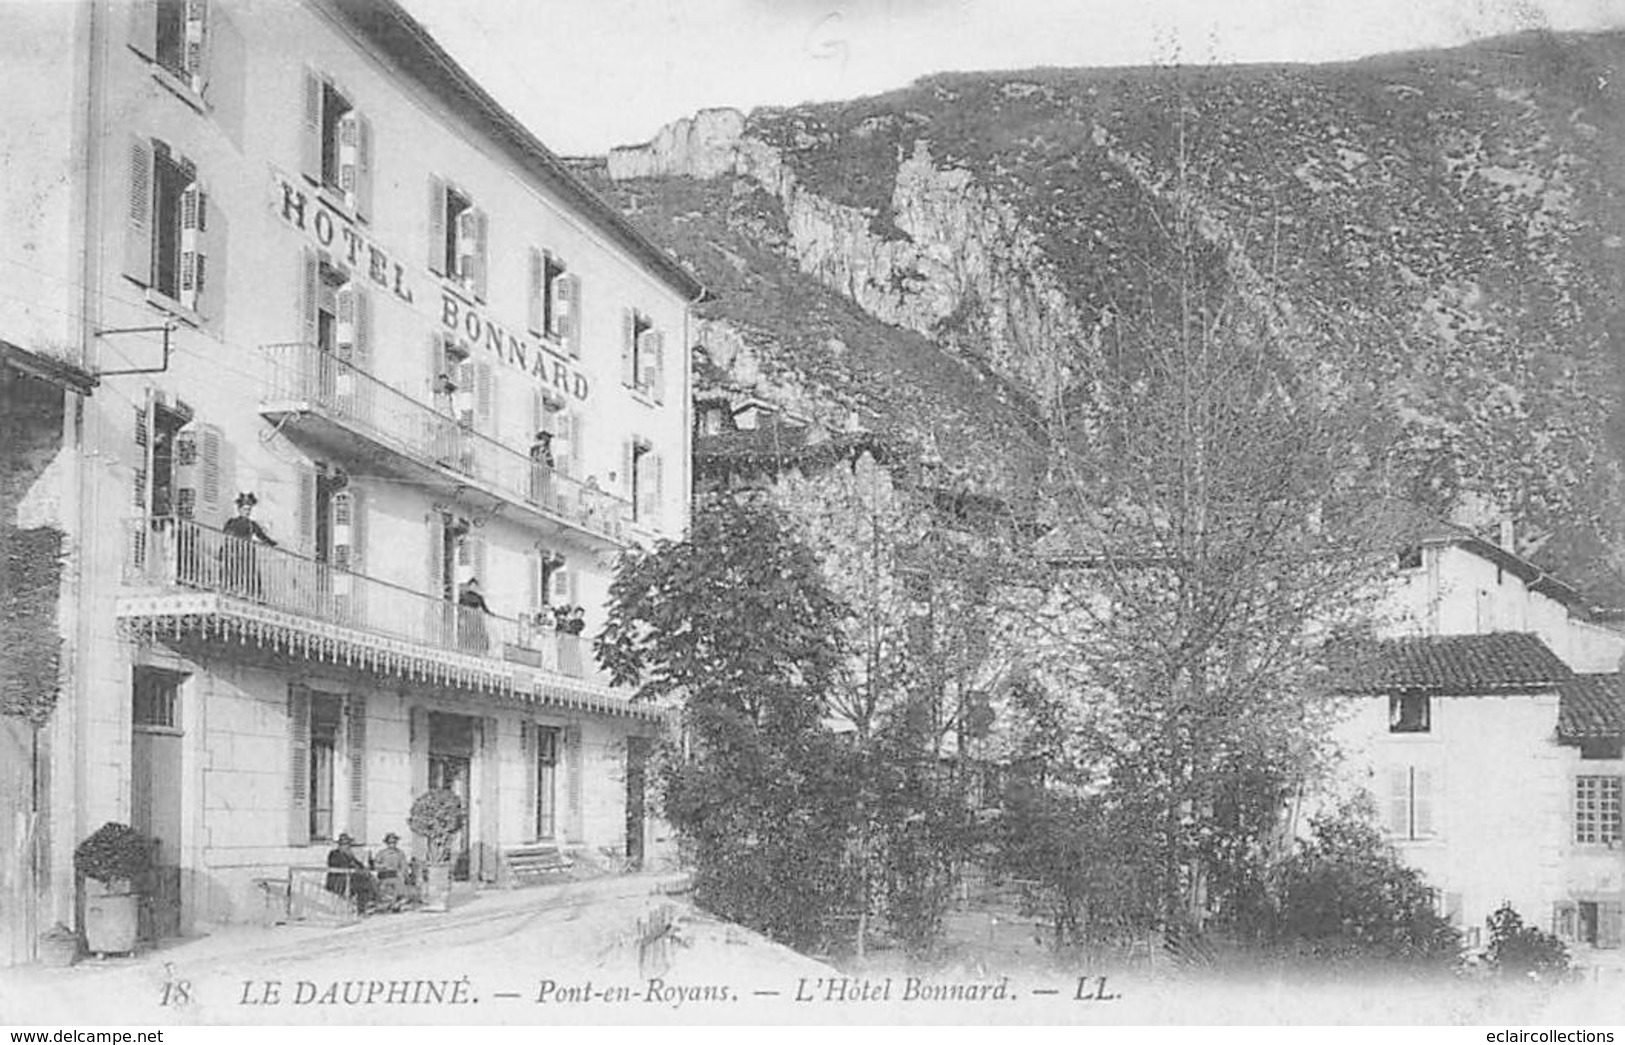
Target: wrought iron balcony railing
{"x":301,"y":378}
{"x":175,"y":553}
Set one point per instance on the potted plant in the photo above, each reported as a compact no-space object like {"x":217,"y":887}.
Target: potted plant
{"x":436,"y":818}
{"x":109,"y":863}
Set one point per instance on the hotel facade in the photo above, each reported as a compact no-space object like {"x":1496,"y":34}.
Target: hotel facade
{"x":302,"y":256}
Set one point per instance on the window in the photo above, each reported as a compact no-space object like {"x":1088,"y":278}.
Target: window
{"x":324,"y":746}
{"x":547,"y":767}
{"x":336,"y":319}
{"x":555,"y":298}
{"x":1597,"y":923}
{"x":1596,"y":810}
{"x":1606,"y":748}
{"x":458,"y":245}
{"x":172,"y":34}
{"x":336,"y":147}
{"x":644,"y":480}
{"x":327,"y":743}
{"x":154,"y":697}
{"x":167,"y":243}
{"x":157,"y":430}
{"x":1410,"y":803}
{"x":1411,"y":558}
{"x":1409,"y":713}
{"x":643,"y":350}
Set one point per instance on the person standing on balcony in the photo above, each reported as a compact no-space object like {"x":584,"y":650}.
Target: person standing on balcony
{"x":471,"y":614}
{"x":541,"y":467}
{"x":241,"y":561}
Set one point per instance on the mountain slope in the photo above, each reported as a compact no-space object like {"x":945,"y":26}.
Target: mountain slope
{"x":1448,"y":224}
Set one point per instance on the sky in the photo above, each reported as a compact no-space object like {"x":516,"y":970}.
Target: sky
{"x":587,"y":75}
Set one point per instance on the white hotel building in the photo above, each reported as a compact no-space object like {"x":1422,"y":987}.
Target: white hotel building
{"x":305,"y":256}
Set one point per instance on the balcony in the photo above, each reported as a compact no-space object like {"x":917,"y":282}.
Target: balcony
{"x":186,"y":582}
{"x":351,"y":416}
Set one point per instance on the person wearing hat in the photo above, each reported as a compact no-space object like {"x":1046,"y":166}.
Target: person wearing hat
{"x":348,"y":876}
{"x":471,"y":614}
{"x":242,"y":567}
{"x":390,"y":864}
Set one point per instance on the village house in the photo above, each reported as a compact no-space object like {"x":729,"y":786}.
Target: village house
{"x":1486,"y":727}
{"x":360,"y":340}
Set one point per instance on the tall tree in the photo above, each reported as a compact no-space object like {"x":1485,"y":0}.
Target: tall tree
{"x":1209,"y":487}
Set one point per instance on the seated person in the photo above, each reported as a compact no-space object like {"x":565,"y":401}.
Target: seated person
{"x":358,"y":883}
{"x":391,"y":867}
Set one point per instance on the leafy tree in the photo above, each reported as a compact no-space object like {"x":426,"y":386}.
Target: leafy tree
{"x":1524,"y":950}
{"x":1345,"y":896}
{"x":737,"y":620}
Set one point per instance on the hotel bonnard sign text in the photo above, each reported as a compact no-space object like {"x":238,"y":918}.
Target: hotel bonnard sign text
{"x":336,"y":233}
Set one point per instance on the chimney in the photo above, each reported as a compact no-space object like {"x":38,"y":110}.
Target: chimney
{"x":1508,"y":540}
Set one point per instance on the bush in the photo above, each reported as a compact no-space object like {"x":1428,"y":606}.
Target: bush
{"x":436,"y":817}
{"x":1522,"y":950}
{"x":116,"y":852}
{"x":1346,"y":897}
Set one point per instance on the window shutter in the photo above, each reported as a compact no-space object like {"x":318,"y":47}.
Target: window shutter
{"x":1422,"y":797}
{"x":225,"y":74}
{"x":195,"y":58}
{"x":355,"y":707}
{"x":343,"y":534}
{"x":143,"y":28}
{"x":629,"y":338}
{"x":192,"y":218}
{"x":528,"y":752}
{"x":310,"y":134}
{"x":484,"y":398}
{"x":559,"y":587}
{"x":629,"y":463}
{"x":656,"y":512}
{"x":481,"y":230}
{"x":437,"y":226}
{"x":213,"y":484}
{"x":570,"y":294}
{"x":657,"y":365}
{"x":436,"y":571}
{"x":578,"y":445}
{"x":533,"y":314}
{"x":478,"y":559}
{"x":349,"y":156}
{"x":305,"y":478}
{"x":361,"y":350}
{"x":344,"y":321}
{"x":533,"y":572}
{"x":298,"y":765}
{"x":1399,"y":801}
{"x":138,"y":227}
{"x":1609,"y":929}
{"x":417,"y":744}
{"x":647,"y":488}
{"x":211,"y":263}
{"x":1564,"y":919}
{"x":572,"y":782}
{"x":362,"y":199}
{"x":310,"y":289}
{"x":358,"y":528}
{"x":143,"y":457}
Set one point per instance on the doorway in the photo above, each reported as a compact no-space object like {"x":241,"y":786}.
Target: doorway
{"x":451,"y":760}
{"x":155,"y":793}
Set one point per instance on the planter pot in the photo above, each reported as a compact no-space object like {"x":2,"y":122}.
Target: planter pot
{"x":58,"y":950}
{"x":437,"y":887}
{"x":112,"y":915}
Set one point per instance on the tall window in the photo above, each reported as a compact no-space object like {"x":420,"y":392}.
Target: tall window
{"x":1409,"y":713}
{"x":1410,"y":803}
{"x":167,"y":235}
{"x":326,"y":715}
{"x":336,"y":148}
{"x":643,"y":356}
{"x":547,"y":765}
{"x":155,"y":696}
{"x":457,"y":237}
{"x":1596,"y":810}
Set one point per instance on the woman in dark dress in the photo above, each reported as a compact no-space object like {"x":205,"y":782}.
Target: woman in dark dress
{"x":241,"y":563}
{"x":471,"y":636}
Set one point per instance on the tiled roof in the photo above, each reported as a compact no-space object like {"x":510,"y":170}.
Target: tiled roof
{"x":1592,"y":706}
{"x":775,"y":445}
{"x":1456,"y":665}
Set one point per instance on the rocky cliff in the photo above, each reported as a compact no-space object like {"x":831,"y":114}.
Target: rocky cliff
{"x":942,"y":261}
